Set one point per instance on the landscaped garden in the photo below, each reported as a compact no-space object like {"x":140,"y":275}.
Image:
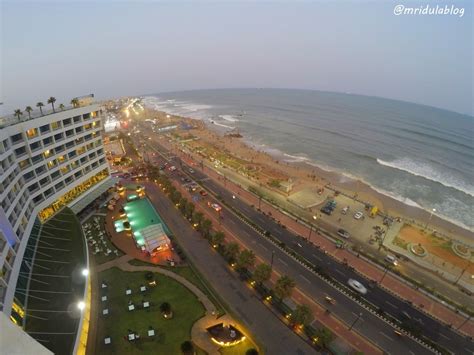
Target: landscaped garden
{"x":99,"y":243}
{"x":169,"y":333}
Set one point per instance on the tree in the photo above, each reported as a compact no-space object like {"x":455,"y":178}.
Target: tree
{"x":217,"y":238}
{"x":183,"y":203}
{"x":245,"y":259}
{"x":302,"y":315}
{"x":51,"y":101}
{"x":324,"y":336}
{"x":205,"y":227}
{"x":251,"y":351}
{"x":197,"y":218}
{"x":175,"y":196}
{"x":284,"y":287}
{"x":40,"y":105}
{"x":165,"y":309}
{"x":28,"y":109}
{"x":189,"y":210}
{"x":187,"y":348}
{"x":61,"y":107}
{"x":231,"y":251}
{"x":262,"y":273}
{"x":75,"y":103}
{"x":18,"y":113}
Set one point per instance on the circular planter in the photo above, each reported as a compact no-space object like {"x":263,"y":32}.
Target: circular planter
{"x":461,"y":250}
{"x":417,"y":249}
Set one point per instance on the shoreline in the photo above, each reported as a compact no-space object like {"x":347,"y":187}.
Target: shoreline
{"x":300,"y":165}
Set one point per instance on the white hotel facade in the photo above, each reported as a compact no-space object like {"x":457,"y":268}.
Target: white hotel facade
{"x":46,"y":163}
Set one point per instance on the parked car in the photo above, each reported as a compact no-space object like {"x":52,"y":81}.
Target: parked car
{"x":326,"y":210}
{"x":357,"y":286}
{"x":343,"y":233}
{"x":358,"y":215}
{"x":391,"y":260}
{"x":345,"y":210}
{"x":203,"y":193}
{"x":191,"y":171}
{"x":215,"y":206}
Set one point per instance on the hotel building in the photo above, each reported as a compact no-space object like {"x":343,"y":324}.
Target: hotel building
{"x":47,"y":162}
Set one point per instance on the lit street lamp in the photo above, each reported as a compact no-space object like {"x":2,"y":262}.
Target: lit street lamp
{"x":311,"y":228}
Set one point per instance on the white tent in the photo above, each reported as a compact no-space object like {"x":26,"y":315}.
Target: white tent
{"x":155,"y":238}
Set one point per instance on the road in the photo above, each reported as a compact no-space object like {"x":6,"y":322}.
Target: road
{"x":276,"y":337}
{"x":396,"y":307}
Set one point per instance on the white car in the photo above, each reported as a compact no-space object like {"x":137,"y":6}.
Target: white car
{"x":357,"y":286}
{"x":391,"y":260}
{"x":358,"y":215}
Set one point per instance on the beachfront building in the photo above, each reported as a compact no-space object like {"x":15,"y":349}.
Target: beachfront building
{"x":48,"y":160}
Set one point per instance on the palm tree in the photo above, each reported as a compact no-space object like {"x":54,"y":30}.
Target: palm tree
{"x":245,"y":259}
{"x":284,"y":287}
{"x":61,"y":107}
{"x":165,"y":309}
{"x":205,"y":227}
{"x":187,"y":348}
{"x":183,"y":203}
{"x":18,"y":113}
{"x":217,"y":238}
{"x":324,"y":336}
{"x":29,"y":109}
{"x":189,"y":209}
{"x":175,"y":196}
{"x":262,"y":273}
{"x":40,"y":105}
{"x":302,"y":315}
{"x":197,"y":218}
{"x":75,"y":102}
{"x":231,"y":251}
{"x":51,"y":101}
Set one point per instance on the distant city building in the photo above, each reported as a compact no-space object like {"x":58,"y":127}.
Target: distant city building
{"x":48,"y":161}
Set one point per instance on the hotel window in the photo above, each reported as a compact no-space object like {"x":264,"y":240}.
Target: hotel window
{"x":65,"y":169}
{"x":58,"y":137}
{"x":16,"y":138}
{"x":20,"y":151}
{"x":52,"y":163}
{"x":56,"y":125}
{"x":47,"y":153}
{"x":47,"y":141}
{"x":34,"y":146}
{"x":61,"y":159}
{"x":55,"y":175}
{"x":86,"y":116}
{"x":45,"y":128}
{"x":80,"y":150}
{"x":87,"y":126}
{"x":31,"y":133}
{"x":69,"y":132}
{"x":44,"y":181}
{"x":74,"y":165}
{"x":77,"y":119}
{"x":24,"y":164}
{"x":94,"y":114}
{"x":67,"y":122}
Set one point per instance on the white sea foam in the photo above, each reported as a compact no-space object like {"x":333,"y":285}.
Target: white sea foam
{"x":295,"y":158}
{"x":229,"y":118}
{"x":429,"y":172}
{"x":220,"y":124}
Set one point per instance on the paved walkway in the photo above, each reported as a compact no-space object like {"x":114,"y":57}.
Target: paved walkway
{"x":391,"y":283}
{"x":199,"y":334}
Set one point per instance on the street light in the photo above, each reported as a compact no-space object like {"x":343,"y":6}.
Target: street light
{"x":463,"y":271}
{"x":355,"y":321}
{"x":311,"y":228}
{"x":85,"y":272}
{"x":431,"y":215}
{"x":81,"y":305}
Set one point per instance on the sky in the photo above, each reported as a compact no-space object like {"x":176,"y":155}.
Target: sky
{"x":125,"y":48}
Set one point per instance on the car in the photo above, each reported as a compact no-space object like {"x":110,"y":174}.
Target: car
{"x":357,"y":286}
{"x":391,"y":260}
{"x":326,"y":210}
{"x":191,"y":171}
{"x":358,"y":215}
{"x":172,"y":168}
{"x":186,"y":179}
{"x":345,"y":210}
{"x":343,"y":233}
{"x":215,"y":206}
{"x":332,"y":205}
{"x":203,"y":193}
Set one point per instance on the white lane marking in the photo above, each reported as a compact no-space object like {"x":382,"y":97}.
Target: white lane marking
{"x":283,"y":262}
{"x":391,"y":304}
{"x":340,"y":272}
{"x":304,"y":278}
{"x":317,"y":257}
{"x":386,"y":336}
{"x":264,"y":247}
{"x":278,"y":231}
{"x":231,"y":221}
{"x":444,"y":336}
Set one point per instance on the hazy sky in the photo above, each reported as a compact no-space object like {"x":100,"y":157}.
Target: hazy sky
{"x":115,"y":48}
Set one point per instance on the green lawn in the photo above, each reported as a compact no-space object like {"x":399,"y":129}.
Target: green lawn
{"x":189,"y":274}
{"x":170,"y":333}
{"x":238,"y":349}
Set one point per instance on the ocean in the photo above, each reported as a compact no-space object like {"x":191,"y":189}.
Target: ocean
{"x":420,"y":155}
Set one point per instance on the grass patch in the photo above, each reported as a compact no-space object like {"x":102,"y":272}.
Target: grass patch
{"x":402,"y":243}
{"x":192,"y":276}
{"x":170,"y":333}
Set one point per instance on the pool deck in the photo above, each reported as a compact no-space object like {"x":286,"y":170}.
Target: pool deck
{"x":143,"y":214}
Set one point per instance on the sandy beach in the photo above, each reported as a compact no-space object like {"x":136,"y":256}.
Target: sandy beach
{"x":305,"y":175}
